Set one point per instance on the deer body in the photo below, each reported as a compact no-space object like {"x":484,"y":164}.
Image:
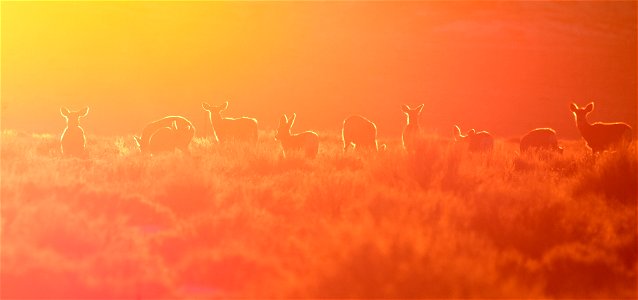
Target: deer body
{"x":166,"y":133}
{"x":412,"y":130}
{"x":228,"y":129}
{"x":306,"y":143}
{"x":163,"y":140}
{"x":477,"y":141}
{"x":360,"y":132}
{"x":73,"y":141}
{"x":540,"y":138}
{"x":600,"y":136}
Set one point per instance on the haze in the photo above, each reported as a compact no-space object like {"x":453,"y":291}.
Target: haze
{"x":506,"y":67}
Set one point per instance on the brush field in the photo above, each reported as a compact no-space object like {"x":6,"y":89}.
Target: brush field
{"x":235,"y":221}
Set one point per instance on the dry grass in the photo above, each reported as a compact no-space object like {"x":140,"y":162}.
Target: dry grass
{"x":233,"y":221}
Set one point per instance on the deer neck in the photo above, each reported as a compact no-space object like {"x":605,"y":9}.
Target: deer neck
{"x":582,"y":124}
{"x":286,"y":140}
{"x":215,"y":119}
{"x":413,"y":124}
{"x":285,"y":137}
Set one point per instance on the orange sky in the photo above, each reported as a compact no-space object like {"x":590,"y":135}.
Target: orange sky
{"x":505,"y":67}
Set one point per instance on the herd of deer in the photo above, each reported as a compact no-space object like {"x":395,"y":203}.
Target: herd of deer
{"x":173,"y":132}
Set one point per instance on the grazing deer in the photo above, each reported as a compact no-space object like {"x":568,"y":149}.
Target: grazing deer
{"x":600,"y":136}
{"x":542,"y":139}
{"x":227,"y":129}
{"x":166,"y":134}
{"x":73,"y":140}
{"x":477,"y":141}
{"x":412,"y":131}
{"x":306,"y":142}
{"x":166,"y":139}
{"x":361,"y":133}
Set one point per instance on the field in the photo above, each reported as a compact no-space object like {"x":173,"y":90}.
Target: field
{"x":235,"y":221}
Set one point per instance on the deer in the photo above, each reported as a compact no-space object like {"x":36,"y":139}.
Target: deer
{"x":600,"y":136}
{"x":360,"y":133}
{"x":412,"y":130}
{"x":227,"y":129}
{"x":73,"y":141}
{"x":477,"y":141}
{"x":166,"y":134}
{"x":540,"y":139}
{"x":306,"y":142}
{"x":166,"y":139}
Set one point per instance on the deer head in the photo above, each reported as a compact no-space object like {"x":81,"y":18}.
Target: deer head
{"x":73,"y":117}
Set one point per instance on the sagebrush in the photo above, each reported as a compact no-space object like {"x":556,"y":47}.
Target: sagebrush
{"x":237,"y":221}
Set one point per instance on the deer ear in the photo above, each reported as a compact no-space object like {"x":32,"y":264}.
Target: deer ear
{"x":589,"y":107}
{"x":419,"y":108}
{"x":84,"y":112}
{"x":292,"y":120}
{"x":405,"y":108}
{"x":64,"y":111}
{"x":206,"y":106}
{"x":573,"y":107}
{"x":225,"y":105}
{"x":174,"y":125}
{"x":283,"y":120}
{"x":457,"y":132}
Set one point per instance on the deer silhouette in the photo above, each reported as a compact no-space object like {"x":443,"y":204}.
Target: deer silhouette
{"x":476,"y":141}
{"x":227,"y":129}
{"x":360,"y":133}
{"x":600,"y":136}
{"x":73,"y":141}
{"x":540,"y":139}
{"x":412,"y":130}
{"x":166,"y":134}
{"x":306,"y":142}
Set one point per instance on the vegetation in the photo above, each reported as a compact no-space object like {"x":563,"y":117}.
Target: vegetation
{"x":232,"y":221}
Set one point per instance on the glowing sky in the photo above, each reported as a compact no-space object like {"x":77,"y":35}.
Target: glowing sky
{"x":505,"y":67}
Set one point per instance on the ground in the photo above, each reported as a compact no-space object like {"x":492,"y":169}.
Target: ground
{"x":241,"y":221}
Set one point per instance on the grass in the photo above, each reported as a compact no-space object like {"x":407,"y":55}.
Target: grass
{"x":235,"y":221}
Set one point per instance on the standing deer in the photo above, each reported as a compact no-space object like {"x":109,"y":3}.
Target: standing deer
{"x":540,"y":139}
{"x":73,"y":140}
{"x":361,"y":133}
{"x":600,"y":136}
{"x":412,"y":131}
{"x":477,"y":141}
{"x":306,"y":142}
{"x":166,"y":134}
{"x":227,"y":129}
